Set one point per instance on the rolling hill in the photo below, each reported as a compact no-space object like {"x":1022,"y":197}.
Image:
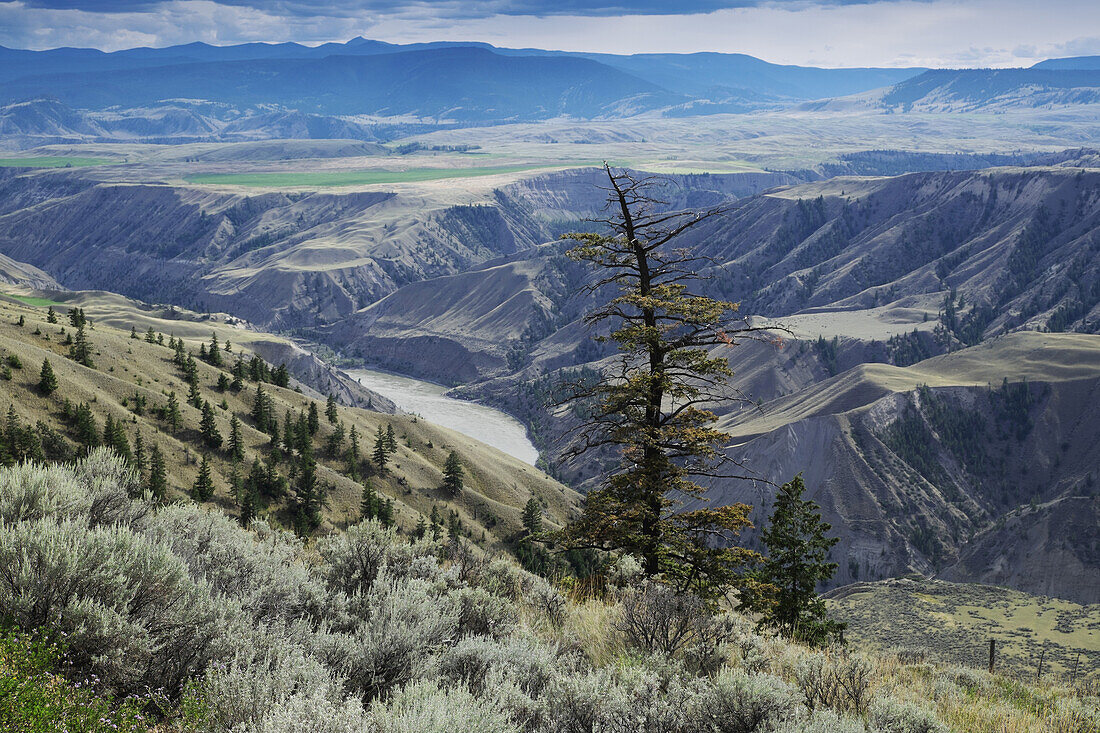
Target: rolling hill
{"x":132,"y":377}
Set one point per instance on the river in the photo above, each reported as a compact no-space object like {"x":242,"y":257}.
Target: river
{"x":492,"y":427}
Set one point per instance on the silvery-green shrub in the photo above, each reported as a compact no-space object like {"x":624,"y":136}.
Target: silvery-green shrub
{"x":481,"y":613}
{"x":265,"y":574}
{"x":736,"y":702}
{"x":263,"y":675}
{"x":353,"y":559}
{"x":404,"y":622}
{"x":531,"y":664}
{"x":130,"y":611}
{"x":425,"y":707}
{"x":889,"y":715}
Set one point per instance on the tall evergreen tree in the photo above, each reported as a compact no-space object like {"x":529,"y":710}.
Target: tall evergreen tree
{"x":81,"y":350}
{"x":203,"y":488}
{"x":386,"y":513}
{"x":194,"y":397}
{"x":158,"y":473}
{"x":532,"y":517}
{"x":247,"y":503}
{"x":51,"y":315}
{"x":798,"y":547}
{"x":47,"y":380}
{"x":335,"y":441}
{"x":308,"y":495}
{"x":391,"y":439}
{"x":236,"y":443}
{"x":381,"y":454}
{"x":87,"y":431}
{"x":330,"y":410}
{"x":259,"y":409}
{"x":280,"y":377}
{"x":214,"y":353}
{"x":452,"y":475}
{"x":314,"y":420}
{"x":151,"y":336}
{"x":651,"y":406}
{"x":353,"y":455}
{"x":139,"y":453}
{"x":114,"y":437}
{"x":368,"y":505}
{"x":208,"y":427}
{"x":172,"y":413}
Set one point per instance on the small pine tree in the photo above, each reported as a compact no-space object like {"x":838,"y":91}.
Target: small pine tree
{"x":139,"y":453}
{"x":81,"y":350}
{"x":21,"y":322}
{"x":208,"y":427}
{"x":259,"y":409}
{"x":203,"y":488}
{"x":223,"y":383}
{"x":381,"y":454}
{"x":133,"y":333}
{"x":330,"y":410}
{"x":452,"y":475}
{"x":236,"y":443}
{"x":151,"y":337}
{"x":314,"y":419}
{"x":214,"y":353}
{"x":247,"y":507}
{"x":385,"y":513}
{"x":421,"y":528}
{"x":51,"y":315}
{"x":532,"y":517}
{"x":391,"y":439}
{"x":194,"y":397}
{"x":172,"y":413}
{"x":798,"y":549}
{"x":368,"y":505}
{"x":158,"y":474}
{"x":47,"y":380}
{"x":353,"y":455}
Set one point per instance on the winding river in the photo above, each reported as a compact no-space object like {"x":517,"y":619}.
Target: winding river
{"x":492,"y":427}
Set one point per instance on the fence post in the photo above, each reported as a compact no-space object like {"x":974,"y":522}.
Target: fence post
{"x":1042,"y":656}
{"x":992,"y":652}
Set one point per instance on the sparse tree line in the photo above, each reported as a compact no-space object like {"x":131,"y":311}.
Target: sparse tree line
{"x":286,"y":473}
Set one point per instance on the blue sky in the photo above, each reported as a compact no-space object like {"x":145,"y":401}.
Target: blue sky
{"x":813,"y":32}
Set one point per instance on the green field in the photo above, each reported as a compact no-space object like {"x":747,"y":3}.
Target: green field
{"x":31,"y":300}
{"x":52,"y":162}
{"x":354,"y":178}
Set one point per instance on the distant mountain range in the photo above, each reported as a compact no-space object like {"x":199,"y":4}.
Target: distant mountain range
{"x":370,"y":90}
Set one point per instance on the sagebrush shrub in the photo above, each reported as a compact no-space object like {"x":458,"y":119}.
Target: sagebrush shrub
{"x":263,"y":570}
{"x":130,"y":611}
{"x":424,"y":707}
{"x":746,"y":703}
{"x":403,"y":622}
{"x":97,"y":491}
{"x":481,"y":613}
{"x":547,"y":601}
{"x":603,"y":701}
{"x":353,"y":559}
{"x":889,"y":715}
{"x":530,"y":664}
{"x":263,"y":675}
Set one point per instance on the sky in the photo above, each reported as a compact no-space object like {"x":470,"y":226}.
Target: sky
{"x":939,"y":33}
